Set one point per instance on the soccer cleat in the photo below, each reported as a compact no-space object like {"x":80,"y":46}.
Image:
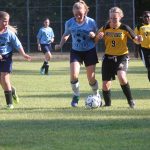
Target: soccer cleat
{"x":15,"y":97}
{"x":42,"y":71}
{"x":10,"y":106}
{"x":75,"y":100}
{"x":107,"y":103}
{"x":46,"y":70}
{"x":132,"y":104}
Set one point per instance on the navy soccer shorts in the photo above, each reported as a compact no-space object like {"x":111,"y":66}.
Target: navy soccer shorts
{"x":6,"y":63}
{"x":88,"y":57}
{"x":46,"y":48}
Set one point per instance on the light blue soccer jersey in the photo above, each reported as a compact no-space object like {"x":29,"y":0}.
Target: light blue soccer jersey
{"x":45,"y":35}
{"x":8,"y":42}
{"x":80,"y":33}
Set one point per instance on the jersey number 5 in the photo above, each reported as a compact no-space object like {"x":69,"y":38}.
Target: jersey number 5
{"x":113,"y":44}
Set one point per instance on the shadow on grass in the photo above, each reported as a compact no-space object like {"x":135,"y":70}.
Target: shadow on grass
{"x":25,"y":72}
{"x":138,"y":93}
{"x":64,"y":134}
{"x":59,"y":124}
{"x":83,"y":112}
{"x":62,"y":71}
{"x":37,"y":72}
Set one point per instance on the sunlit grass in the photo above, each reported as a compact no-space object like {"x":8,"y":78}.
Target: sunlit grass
{"x":44,"y":120}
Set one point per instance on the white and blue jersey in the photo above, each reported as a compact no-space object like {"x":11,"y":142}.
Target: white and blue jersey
{"x":81,"y":40}
{"x":45,"y":35}
{"x":8,"y":42}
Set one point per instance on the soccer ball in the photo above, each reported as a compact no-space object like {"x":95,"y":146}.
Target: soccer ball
{"x":93,"y":101}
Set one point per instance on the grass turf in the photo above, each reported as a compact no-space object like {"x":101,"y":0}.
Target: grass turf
{"x":44,"y":120}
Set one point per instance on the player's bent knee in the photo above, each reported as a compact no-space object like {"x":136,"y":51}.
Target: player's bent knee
{"x":74,"y":81}
{"x":92,"y":81}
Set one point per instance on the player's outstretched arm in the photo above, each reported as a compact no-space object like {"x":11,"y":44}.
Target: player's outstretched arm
{"x":62,"y":42}
{"x":26,"y":56}
{"x":136,"y":50}
{"x":39,"y":46}
{"x":99,"y":36}
{"x":138,"y":39}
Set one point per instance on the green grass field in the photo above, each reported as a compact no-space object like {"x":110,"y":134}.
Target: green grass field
{"x":44,"y":120}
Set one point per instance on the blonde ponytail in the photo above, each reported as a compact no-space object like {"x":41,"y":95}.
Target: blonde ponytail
{"x":12,"y":28}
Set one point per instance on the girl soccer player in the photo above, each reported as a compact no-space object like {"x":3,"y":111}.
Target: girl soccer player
{"x":8,"y":42}
{"x":115,"y":60}
{"x":144,"y":47}
{"x":45,"y":37}
{"x":82,"y":29}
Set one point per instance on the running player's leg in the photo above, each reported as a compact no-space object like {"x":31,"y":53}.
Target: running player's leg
{"x":126,"y":87}
{"x":91,"y":78}
{"x":107,"y":76}
{"x":74,"y":73}
{"x":6,"y":85}
{"x":5,"y":70}
{"x":47,"y":59}
{"x":47,"y":54}
{"x":106,"y":86}
{"x":90,"y":60}
{"x":122,"y":68}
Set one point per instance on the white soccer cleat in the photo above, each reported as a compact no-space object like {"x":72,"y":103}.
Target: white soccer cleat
{"x":10,"y":106}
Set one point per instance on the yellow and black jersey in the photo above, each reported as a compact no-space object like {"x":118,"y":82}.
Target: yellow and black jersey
{"x":116,"y":39}
{"x":144,"y":30}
